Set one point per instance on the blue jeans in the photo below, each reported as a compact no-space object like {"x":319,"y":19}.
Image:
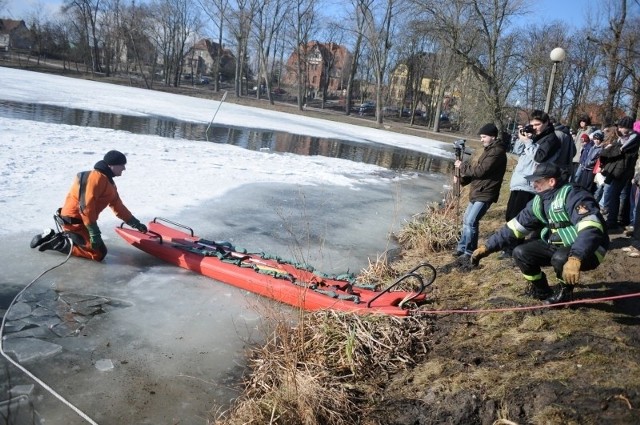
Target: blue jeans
{"x":611,"y":201}
{"x":470,"y":225}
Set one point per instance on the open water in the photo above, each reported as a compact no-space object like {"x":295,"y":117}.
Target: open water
{"x":253,"y":139}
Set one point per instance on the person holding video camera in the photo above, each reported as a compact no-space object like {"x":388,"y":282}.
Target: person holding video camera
{"x":484,"y":177}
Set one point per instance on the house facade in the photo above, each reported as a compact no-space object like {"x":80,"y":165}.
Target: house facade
{"x":14,"y":35}
{"x":323,"y":64}
{"x":200,"y":60}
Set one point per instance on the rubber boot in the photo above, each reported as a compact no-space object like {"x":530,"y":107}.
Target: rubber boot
{"x":563,"y":294}
{"x":59,"y":242}
{"x":540,"y":289}
{"x":41,"y":238}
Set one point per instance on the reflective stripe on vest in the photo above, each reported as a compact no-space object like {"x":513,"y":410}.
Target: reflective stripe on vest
{"x":558,"y":218}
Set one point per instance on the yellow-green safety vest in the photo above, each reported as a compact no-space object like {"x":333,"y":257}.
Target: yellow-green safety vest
{"x":557,"y":218}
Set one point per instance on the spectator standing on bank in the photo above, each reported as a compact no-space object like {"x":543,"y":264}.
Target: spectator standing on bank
{"x":484,"y":176}
{"x":618,"y":161}
{"x":585,"y":128}
{"x":588,"y":159}
{"x":545,"y":138}
{"x":586,"y":144}
{"x":568,"y":149}
{"x":521,"y":189}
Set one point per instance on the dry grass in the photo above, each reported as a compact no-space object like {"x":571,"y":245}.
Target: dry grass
{"x":434,"y":230}
{"x":324,"y":370}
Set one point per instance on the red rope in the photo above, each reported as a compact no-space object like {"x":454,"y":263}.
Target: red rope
{"x":525,"y":308}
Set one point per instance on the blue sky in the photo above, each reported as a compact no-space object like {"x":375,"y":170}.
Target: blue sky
{"x":573,"y":11}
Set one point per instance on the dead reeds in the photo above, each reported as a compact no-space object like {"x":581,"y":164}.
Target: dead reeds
{"x":315,"y":372}
{"x":433,"y":230}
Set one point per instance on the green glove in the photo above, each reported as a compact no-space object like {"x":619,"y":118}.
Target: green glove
{"x":135,"y":223}
{"x":94,"y":235}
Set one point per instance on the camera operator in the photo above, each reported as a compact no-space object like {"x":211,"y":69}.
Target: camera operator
{"x":484,"y":177}
{"x":549,"y":146}
{"x":521,"y":189}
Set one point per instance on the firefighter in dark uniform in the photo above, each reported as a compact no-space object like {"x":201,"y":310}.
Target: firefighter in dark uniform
{"x":573,"y":235}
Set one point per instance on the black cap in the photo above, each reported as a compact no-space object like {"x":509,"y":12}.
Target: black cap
{"x":626,"y":122}
{"x":115,"y":158}
{"x":489,"y":130}
{"x":545,"y":170}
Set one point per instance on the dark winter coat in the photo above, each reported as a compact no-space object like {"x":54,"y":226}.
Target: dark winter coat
{"x":583,"y":211}
{"x":485,"y":174}
{"x":619,"y":160}
{"x":548,"y":145}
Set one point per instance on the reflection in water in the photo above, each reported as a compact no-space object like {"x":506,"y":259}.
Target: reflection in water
{"x":252,"y":139}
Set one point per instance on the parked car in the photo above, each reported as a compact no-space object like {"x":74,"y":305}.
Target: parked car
{"x":367,"y":108}
{"x":204,"y":80}
{"x":447,"y":124}
{"x":390,"y":111}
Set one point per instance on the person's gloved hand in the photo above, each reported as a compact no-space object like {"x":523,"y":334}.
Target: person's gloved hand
{"x":135,"y":223}
{"x":571,"y":271}
{"x":479,"y":254}
{"x":94,"y":236}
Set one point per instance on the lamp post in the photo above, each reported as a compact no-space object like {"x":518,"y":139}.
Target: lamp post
{"x":557,"y":55}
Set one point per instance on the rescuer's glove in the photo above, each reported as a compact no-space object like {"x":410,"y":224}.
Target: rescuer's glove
{"x":94,"y":236}
{"x":479,"y":254}
{"x":571,"y":271}
{"x":135,"y":223}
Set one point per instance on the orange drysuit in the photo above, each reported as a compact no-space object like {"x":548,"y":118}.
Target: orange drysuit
{"x":81,"y":210}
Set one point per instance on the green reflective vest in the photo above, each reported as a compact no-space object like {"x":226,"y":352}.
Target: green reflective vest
{"x":557,"y":218}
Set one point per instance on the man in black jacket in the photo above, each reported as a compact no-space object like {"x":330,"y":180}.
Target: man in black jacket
{"x":484,"y":177}
{"x":618,"y":162}
{"x":573,"y":238}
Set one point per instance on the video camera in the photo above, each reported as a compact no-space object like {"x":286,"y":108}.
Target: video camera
{"x":527,"y":129}
{"x":459,"y":147}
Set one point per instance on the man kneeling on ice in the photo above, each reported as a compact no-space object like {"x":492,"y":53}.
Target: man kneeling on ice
{"x":91,"y":192}
{"x":573,"y":236}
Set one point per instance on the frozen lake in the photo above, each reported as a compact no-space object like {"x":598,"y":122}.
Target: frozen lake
{"x":167,"y":345}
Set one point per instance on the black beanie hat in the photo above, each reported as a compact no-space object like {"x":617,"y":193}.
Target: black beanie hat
{"x":489,"y":130}
{"x":626,"y":122}
{"x":115,"y":158}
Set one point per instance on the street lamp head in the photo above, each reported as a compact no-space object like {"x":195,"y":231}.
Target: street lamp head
{"x":558,"y":54}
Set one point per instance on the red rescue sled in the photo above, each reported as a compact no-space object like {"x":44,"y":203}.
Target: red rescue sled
{"x":274,"y":278}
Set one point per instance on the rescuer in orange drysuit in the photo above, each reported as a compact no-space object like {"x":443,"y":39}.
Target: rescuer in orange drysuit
{"x":91,"y":192}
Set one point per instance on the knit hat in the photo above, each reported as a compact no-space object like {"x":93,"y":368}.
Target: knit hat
{"x":597,"y":135}
{"x":489,"y":130}
{"x":115,"y":158}
{"x":584,"y":137}
{"x":626,"y":122}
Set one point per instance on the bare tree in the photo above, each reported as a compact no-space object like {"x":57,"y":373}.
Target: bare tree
{"x":216,"y":10}
{"x":476,"y":32}
{"x":86,"y":12}
{"x":240,"y":19}
{"x":302,"y":25}
{"x":378,"y":32}
{"x":175,"y":21}
{"x":615,"y":42}
{"x":358,"y":14}
{"x":267,"y":22}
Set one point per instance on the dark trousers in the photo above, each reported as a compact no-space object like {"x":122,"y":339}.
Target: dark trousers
{"x":518,"y":199}
{"x":531,"y":256}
